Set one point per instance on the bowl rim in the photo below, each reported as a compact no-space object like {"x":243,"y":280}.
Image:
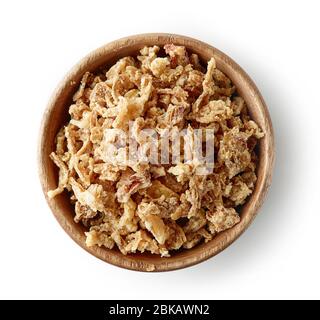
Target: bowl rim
{"x":229,"y":236}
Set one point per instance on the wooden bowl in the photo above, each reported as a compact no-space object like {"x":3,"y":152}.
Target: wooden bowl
{"x":56,"y":115}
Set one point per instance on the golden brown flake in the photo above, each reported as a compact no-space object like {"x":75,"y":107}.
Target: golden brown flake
{"x":155,"y":207}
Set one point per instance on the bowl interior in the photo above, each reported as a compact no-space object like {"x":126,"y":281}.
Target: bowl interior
{"x":57,"y":115}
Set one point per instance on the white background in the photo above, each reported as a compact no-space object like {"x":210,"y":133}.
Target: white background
{"x":276,"y":42}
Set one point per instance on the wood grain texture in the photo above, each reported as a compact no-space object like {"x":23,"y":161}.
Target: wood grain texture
{"x":56,"y":115}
